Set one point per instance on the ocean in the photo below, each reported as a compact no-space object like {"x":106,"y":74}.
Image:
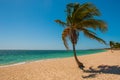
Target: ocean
{"x":17,"y":56}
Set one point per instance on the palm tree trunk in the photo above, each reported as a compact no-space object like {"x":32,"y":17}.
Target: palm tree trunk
{"x":80,"y":65}
{"x":111,"y":50}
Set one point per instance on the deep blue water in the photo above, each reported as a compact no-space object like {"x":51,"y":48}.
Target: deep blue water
{"x":16,"y":56}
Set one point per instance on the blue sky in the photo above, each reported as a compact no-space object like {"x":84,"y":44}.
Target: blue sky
{"x":29,"y":24}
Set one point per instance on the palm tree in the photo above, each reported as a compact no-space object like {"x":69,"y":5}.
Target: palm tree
{"x":80,"y":18}
{"x":117,"y":45}
{"x":111,"y":43}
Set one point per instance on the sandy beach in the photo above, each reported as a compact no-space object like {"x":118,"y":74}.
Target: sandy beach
{"x":100,"y":66}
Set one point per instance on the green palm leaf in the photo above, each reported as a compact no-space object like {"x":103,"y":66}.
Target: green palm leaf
{"x":94,"y":24}
{"x":93,"y":36}
{"x":61,"y":23}
{"x":65,"y":35}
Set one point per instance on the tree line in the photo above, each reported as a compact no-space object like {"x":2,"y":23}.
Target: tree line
{"x":114,"y":45}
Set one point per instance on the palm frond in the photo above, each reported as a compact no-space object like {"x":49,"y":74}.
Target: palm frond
{"x":95,"y":24}
{"x":71,"y":7}
{"x":61,"y":23}
{"x":69,"y":20}
{"x":93,"y":36}
{"x":65,"y":35}
{"x":84,"y":29}
{"x":84,"y":11}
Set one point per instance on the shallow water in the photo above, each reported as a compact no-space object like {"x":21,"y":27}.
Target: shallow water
{"x":17,"y":56}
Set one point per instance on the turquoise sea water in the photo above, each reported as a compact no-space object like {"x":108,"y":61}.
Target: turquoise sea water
{"x":16,"y":56}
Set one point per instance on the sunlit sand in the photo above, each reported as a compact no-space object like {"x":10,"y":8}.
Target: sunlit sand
{"x":101,"y":66}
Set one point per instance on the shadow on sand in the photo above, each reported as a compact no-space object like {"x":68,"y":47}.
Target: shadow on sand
{"x":102,"y":69}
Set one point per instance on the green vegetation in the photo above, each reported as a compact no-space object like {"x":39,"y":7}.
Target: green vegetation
{"x":81,"y":18}
{"x":114,"y":45}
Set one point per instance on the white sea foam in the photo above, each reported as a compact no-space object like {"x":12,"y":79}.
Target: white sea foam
{"x":13,"y":64}
{"x":27,"y":62}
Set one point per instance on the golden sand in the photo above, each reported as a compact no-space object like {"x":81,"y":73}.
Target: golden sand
{"x":101,"y":66}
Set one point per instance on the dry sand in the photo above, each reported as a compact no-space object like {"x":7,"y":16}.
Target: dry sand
{"x":101,"y":66}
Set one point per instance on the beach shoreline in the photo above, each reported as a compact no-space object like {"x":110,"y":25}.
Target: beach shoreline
{"x":9,"y":57}
{"x":19,"y":63}
{"x":100,"y":66}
